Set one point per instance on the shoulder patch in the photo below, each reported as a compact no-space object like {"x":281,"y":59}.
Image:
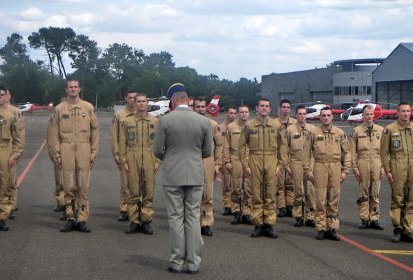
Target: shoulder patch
{"x":385,"y":131}
{"x":218,"y":128}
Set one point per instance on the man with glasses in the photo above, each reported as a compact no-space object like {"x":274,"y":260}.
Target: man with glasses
{"x":11,"y":148}
{"x":258,"y":151}
{"x":284,"y":189}
{"x":212,"y":165}
{"x":120,"y":116}
{"x":136,"y":138}
{"x":332,"y":161}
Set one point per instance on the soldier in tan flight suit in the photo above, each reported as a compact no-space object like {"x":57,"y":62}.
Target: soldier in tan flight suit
{"x":241,"y":189}
{"x":284,"y":187}
{"x":135,"y":153}
{"x":76,"y":139}
{"x":332,"y":160}
{"x":258,"y":151}
{"x":297,"y":161}
{"x":11,"y":148}
{"x":13,"y":186}
{"x":366,"y":163}
{"x":212,"y":166}
{"x":226,"y":180}
{"x":397,"y":161}
{"x":120,"y":116}
{"x":59,"y":194}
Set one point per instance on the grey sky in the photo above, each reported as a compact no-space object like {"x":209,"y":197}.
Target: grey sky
{"x":232,"y":39}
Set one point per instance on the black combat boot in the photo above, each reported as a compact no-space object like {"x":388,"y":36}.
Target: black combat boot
{"x":364,"y":224}
{"x":237,"y":218}
{"x":59,"y":208}
{"x":146,"y":228}
{"x":246,"y":219}
{"x":310,"y":223}
{"x":133,"y":228}
{"x":397,"y":234}
{"x":321,"y":235}
{"x":407,"y":237}
{"x":227,"y":211}
{"x":299,"y":222}
{"x":269,"y":231}
{"x":63,"y":216}
{"x":375,"y":225}
{"x":3,"y":226}
{"x":12,"y":215}
{"x":69,"y":226}
{"x":258,"y":231}
{"x":332,"y":234}
{"x":206,"y":231}
{"x":82,"y":227}
{"x":289,"y":211}
{"x":123,"y":217}
{"x":282,"y":212}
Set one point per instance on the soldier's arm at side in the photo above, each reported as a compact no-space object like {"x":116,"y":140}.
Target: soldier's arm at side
{"x":158,"y":148}
{"x":385,"y":154}
{"x":114,"y":138}
{"x":94,"y":136}
{"x":353,"y":142}
{"x":123,"y":145}
{"x":218,"y":140}
{"x":284,"y":152}
{"x":243,"y":151}
{"x":18,"y":134}
{"x":226,"y":150}
{"x":346,"y":156}
{"x":207,"y":143}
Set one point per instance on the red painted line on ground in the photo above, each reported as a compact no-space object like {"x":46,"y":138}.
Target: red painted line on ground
{"x":29,"y":166}
{"x":391,"y":261}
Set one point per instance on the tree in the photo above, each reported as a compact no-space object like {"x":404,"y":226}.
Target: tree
{"x":56,"y":42}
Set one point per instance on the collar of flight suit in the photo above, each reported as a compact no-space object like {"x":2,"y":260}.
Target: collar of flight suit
{"x":71,"y":106}
{"x":146,"y":118}
{"x":401,"y":127}
{"x":257,"y":122}
{"x":332,"y":130}
{"x":365,"y":128}
{"x":306,"y":127}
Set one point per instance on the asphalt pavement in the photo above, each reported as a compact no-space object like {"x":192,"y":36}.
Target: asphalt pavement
{"x":35,"y":249}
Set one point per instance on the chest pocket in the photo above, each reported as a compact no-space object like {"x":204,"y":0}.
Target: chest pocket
{"x":84,"y":122}
{"x":363,"y":142}
{"x":296,"y":142}
{"x":5,"y":129}
{"x":273,"y":139}
{"x":235,"y":135}
{"x":151,"y":134}
{"x":131,"y":135}
{"x":252,"y":135}
{"x":396,"y":142}
{"x":66,"y":123}
{"x":319,"y":144}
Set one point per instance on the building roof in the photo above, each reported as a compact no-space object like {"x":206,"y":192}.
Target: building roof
{"x":408,"y":46}
{"x":359,"y":61}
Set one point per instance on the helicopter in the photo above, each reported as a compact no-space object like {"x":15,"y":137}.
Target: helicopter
{"x":354,"y":114}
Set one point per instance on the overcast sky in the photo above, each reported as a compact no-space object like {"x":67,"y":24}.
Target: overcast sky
{"x":230,"y":38}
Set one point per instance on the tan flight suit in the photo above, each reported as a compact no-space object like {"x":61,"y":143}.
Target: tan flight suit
{"x":11,"y":146}
{"x":284,"y":182}
{"x":114,"y":136}
{"x":241,"y":189}
{"x":210,"y":165}
{"x":76,"y":136}
{"x":226,"y":175}
{"x":258,"y":150}
{"x":296,"y":155}
{"x":59,"y":194}
{"x":331,"y":157}
{"x":365,"y":151}
{"x":397,"y":157}
{"x":135,"y":149}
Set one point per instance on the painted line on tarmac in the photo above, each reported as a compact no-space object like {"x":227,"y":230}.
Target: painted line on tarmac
{"x":29,"y":166}
{"x":387,"y":259}
{"x":394,"y":252}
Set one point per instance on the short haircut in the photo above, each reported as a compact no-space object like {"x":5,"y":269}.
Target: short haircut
{"x":180,"y":95}
{"x":299,"y":108}
{"x":402,"y":104}
{"x":326,"y":108}
{"x":199,"y":99}
{"x":72,"y":80}
{"x":141,"y":94}
{"x":3,"y":88}
{"x":263,"y":99}
{"x":367,"y":107}
{"x":129,"y":90}
{"x":284,"y":101}
{"x":243,"y":106}
{"x":232,"y":108}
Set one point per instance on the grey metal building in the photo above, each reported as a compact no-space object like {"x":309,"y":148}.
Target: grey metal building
{"x":393,"y":79}
{"x":347,"y":81}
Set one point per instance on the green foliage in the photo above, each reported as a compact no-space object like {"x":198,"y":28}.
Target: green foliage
{"x":105,"y":76}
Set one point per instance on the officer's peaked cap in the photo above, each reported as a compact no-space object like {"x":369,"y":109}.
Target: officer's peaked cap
{"x":175,"y":88}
